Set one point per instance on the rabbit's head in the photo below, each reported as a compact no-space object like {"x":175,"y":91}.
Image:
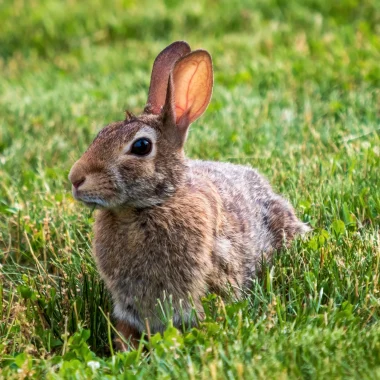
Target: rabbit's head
{"x":140,"y":161}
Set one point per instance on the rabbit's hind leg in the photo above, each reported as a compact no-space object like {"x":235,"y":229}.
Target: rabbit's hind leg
{"x":130,"y":334}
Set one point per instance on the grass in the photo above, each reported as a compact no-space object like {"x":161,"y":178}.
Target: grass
{"x":296,"y":96}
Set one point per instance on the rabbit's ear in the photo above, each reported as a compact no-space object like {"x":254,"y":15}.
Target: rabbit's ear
{"x":192,"y":81}
{"x":162,"y":67}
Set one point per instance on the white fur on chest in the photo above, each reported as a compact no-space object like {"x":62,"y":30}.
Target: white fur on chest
{"x":155,"y":320}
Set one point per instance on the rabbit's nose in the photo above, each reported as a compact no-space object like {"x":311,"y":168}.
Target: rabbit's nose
{"x":76,"y":184}
{"x":76,"y":175}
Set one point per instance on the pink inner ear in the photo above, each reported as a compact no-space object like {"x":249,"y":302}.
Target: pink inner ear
{"x":192,"y":77}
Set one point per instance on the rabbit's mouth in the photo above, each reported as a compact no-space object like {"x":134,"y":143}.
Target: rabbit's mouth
{"x":94,"y":202}
{"x":90,"y":200}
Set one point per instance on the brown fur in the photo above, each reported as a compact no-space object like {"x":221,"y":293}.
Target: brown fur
{"x":125,"y":330}
{"x":171,"y":226}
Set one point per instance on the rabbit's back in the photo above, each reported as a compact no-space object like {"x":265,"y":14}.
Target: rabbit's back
{"x":257,"y":220}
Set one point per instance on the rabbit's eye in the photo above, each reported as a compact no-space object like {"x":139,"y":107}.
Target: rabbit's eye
{"x":141,"y":147}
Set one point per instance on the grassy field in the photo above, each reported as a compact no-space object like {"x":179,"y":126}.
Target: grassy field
{"x":296,"y":96}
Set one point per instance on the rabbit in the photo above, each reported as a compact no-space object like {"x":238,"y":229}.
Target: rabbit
{"x":169,"y":225}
